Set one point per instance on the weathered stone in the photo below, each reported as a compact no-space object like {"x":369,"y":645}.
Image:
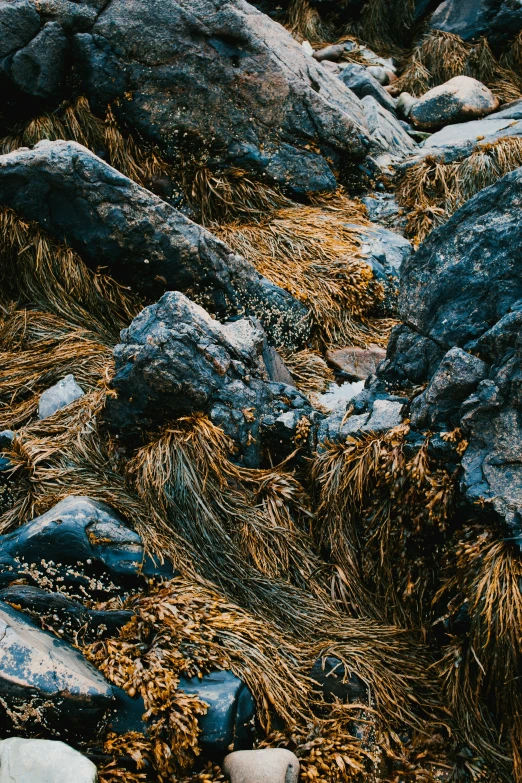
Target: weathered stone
{"x":19,"y":23}
{"x":45,"y":684}
{"x":175,"y":359}
{"x":59,"y":396}
{"x":43,"y":761}
{"x":85,"y":530}
{"x":142,"y":241}
{"x":456,"y":377}
{"x":499,"y":20}
{"x":381,"y":74}
{"x":405,"y":103}
{"x":362,"y":82}
{"x":357,"y":363}
{"x":461,"y":98}
{"x":268,"y":765}
{"x":257,"y":100}
{"x":228,"y":721}
{"x":39,"y":68}
{"x":386,"y":133}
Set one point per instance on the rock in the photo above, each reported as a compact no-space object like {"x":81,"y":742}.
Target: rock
{"x":461,"y":302}
{"x":405,"y":103}
{"x":499,"y":20}
{"x":330,"y":673}
{"x":332,"y":53}
{"x":175,"y":359}
{"x":456,"y":377}
{"x":380,"y":413}
{"x":308,"y":48}
{"x":463,"y":138}
{"x":45,"y":684}
{"x":267,"y":765}
{"x":357,"y":363}
{"x":273,"y":112}
{"x":458,"y":100}
{"x":386,"y":133}
{"x":510,"y":111}
{"x":142,"y":241}
{"x":384,"y":210}
{"x":362,"y":82}
{"x":386,"y":251}
{"x":382,"y":75}
{"x":20,"y":23}
{"x":43,"y":761}
{"x":228,"y":723}
{"x":38,"y":69}
{"x":6,"y":438}
{"x":58,"y":396}
{"x":69,"y":619}
{"x":78,"y":529}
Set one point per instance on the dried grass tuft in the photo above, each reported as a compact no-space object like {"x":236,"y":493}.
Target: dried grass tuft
{"x":305,"y":24}
{"x":387,"y":24}
{"x":309,"y":370}
{"x":434,"y":190}
{"x":314,"y":252}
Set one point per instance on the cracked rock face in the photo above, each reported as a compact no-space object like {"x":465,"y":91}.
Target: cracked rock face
{"x":174,"y":360}
{"x":500,"y":20}
{"x":191,"y":74}
{"x":461,"y":303}
{"x":44,"y":683}
{"x":143,"y":242}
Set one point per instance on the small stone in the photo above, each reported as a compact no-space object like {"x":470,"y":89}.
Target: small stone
{"x":405,"y":103}
{"x":59,"y":396}
{"x":358,"y":363}
{"x":307,"y":47}
{"x":43,"y":761}
{"x":461,"y":98}
{"x":379,"y":73}
{"x":268,"y":765}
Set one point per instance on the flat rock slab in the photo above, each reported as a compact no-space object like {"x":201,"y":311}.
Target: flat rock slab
{"x":268,"y":765}
{"x":45,"y":684}
{"x":458,"y":100}
{"x":141,"y":240}
{"x":358,"y":363}
{"x":43,"y":761}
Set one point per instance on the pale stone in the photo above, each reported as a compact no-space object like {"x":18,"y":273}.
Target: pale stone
{"x":268,"y":765}
{"x":43,"y":761}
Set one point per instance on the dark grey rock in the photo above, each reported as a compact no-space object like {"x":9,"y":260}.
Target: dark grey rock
{"x":142,"y":241}
{"x":456,"y":377}
{"x":228,"y":724}
{"x":85,"y":530}
{"x":175,"y":359}
{"x":361,"y":81}
{"x":336,"y":683}
{"x":499,"y":20}
{"x":457,"y":100}
{"x":257,"y":101}
{"x":19,"y":22}
{"x":45,"y":684}
{"x":6,"y":438}
{"x":69,"y":619}
{"x":461,"y":300}
{"x":39,"y":68}
{"x":59,"y":396}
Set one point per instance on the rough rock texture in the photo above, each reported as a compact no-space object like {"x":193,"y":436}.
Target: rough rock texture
{"x":68,"y":696}
{"x":362,"y":83}
{"x":499,"y":20}
{"x":142,"y":241}
{"x":257,"y":101}
{"x":174,"y":359}
{"x":268,"y":765}
{"x":461,"y":98}
{"x":43,"y":761}
{"x":357,"y":363}
{"x":461,"y":302}
{"x":78,"y":529}
{"x":387,"y":135}
{"x":229,"y":720}
{"x":59,"y":396}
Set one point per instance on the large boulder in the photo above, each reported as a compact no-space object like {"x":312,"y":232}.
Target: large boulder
{"x":220,"y":81}
{"x":174,"y":359}
{"x":43,"y":761}
{"x":458,"y":100}
{"x":142,"y":241}
{"x":45,"y":684}
{"x":461,"y":304}
{"x":499,"y":20}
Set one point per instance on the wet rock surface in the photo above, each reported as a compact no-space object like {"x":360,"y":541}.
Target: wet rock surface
{"x":175,"y":359}
{"x":144,"y":242}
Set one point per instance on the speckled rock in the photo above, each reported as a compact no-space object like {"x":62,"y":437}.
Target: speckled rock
{"x":458,"y":100}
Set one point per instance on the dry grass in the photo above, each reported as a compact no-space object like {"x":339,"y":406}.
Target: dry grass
{"x":434,"y":190}
{"x":482,"y":668}
{"x":309,"y":370}
{"x":387,"y":24}
{"x":315,"y":253}
{"x":305,"y":24}
{"x":440,"y":56}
